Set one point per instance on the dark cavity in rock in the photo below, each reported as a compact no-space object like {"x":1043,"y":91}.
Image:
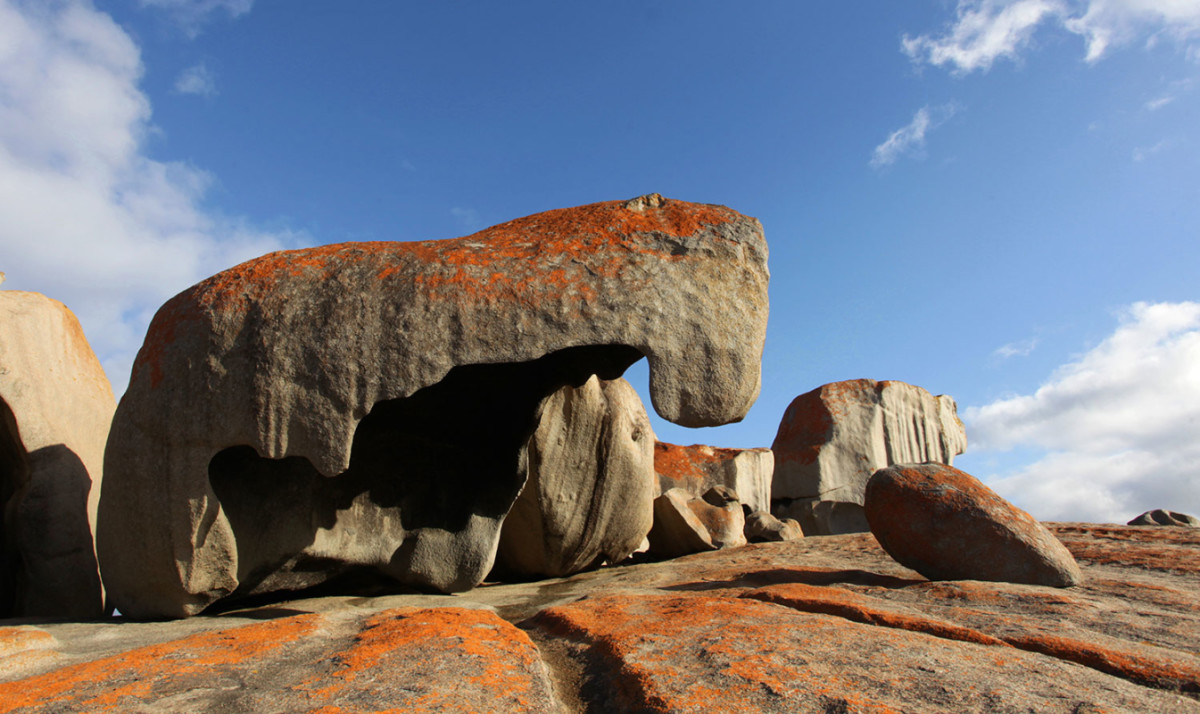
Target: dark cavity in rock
{"x":419,"y":465}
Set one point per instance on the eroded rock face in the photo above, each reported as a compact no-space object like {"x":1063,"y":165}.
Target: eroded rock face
{"x":1162,"y":517}
{"x":762,"y":527}
{"x":697,"y":468}
{"x":588,"y":497}
{"x":370,"y":380}
{"x":833,"y":438}
{"x":55,"y":408}
{"x":815,"y":625}
{"x":946,"y":525}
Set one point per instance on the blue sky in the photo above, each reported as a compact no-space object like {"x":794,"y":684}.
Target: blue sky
{"x":993,"y":200}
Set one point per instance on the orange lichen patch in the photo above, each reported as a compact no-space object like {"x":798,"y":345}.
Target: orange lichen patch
{"x":700,"y":654}
{"x":104,"y":684}
{"x":1162,"y":548}
{"x":981,"y":593}
{"x":859,"y":608}
{"x":15,"y":640}
{"x":1160,"y":672}
{"x":806,"y":427}
{"x":491,"y":660}
{"x":689,"y":463}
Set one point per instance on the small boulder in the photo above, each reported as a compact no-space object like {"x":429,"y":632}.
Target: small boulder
{"x":762,"y":527}
{"x":1163,"y":517}
{"x":697,"y":468}
{"x":589,"y":493}
{"x":946,"y":525}
{"x":677,"y":529}
{"x":721,"y":512}
{"x":833,"y":438}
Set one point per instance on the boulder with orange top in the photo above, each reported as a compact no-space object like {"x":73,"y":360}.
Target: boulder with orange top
{"x":364,"y":408}
{"x":56,"y":405}
{"x":697,"y":468}
{"x":833,"y":438}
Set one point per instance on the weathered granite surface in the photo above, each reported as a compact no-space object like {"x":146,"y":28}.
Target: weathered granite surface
{"x":56,"y":405}
{"x":831,"y":440}
{"x":698,"y":467}
{"x":814,"y":625}
{"x":389,"y":389}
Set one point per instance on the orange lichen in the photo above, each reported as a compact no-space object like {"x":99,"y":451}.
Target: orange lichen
{"x":15,"y":640}
{"x":499,"y":658}
{"x":105,"y":683}
{"x":689,"y":463}
{"x":859,"y":608}
{"x":1161,"y":673}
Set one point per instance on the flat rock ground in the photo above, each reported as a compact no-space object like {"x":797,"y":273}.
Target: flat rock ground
{"x":820,"y":625}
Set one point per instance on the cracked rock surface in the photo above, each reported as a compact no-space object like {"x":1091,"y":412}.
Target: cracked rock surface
{"x":814,"y":625}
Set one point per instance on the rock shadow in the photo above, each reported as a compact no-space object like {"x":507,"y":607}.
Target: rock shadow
{"x":429,"y":462}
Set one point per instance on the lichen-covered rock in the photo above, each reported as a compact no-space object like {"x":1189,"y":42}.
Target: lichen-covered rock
{"x":697,"y":468}
{"x":762,"y":527}
{"x":946,"y":525}
{"x":56,"y":405}
{"x":1162,"y":517}
{"x":833,"y":438}
{"x":364,"y":406}
{"x":590,"y":489}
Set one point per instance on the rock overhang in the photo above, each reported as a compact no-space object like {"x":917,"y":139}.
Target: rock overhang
{"x":288,"y":353}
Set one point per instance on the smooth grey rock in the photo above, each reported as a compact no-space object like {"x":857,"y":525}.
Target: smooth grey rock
{"x":946,"y":525}
{"x":762,"y":527}
{"x":364,"y":407}
{"x":697,"y":468}
{"x":678,"y":530}
{"x":589,"y":494}
{"x":1163,"y":517}
{"x":57,"y":405}
{"x":833,"y":438}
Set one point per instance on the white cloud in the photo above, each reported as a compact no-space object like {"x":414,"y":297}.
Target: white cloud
{"x":85,"y":216}
{"x":191,"y":15}
{"x":1022,"y":348}
{"x":1155,"y":104}
{"x":1119,"y":425}
{"x":197,"y":79}
{"x":984,"y":31}
{"x":988,"y":30}
{"x":909,"y":140}
{"x":1142,"y":153}
{"x":467,"y":217}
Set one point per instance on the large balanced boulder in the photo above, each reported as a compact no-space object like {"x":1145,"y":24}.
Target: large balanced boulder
{"x":698,"y":468}
{"x":946,"y":525}
{"x":590,"y":486}
{"x":56,"y":405}
{"x":364,"y":407}
{"x":833,"y":438}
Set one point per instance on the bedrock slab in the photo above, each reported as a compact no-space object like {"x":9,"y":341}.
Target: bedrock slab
{"x":818,"y":624}
{"x":362,"y":409}
{"x":56,"y":405}
{"x":831,"y":440}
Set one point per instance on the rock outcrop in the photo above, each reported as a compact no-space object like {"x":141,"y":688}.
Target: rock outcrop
{"x":56,"y":405}
{"x":946,"y":525}
{"x":833,"y":438}
{"x":815,"y":625}
{"x":363,"y":408}
{"x":588,"y":497}
{"x":1162,"y":517}
{"x":685,"y":524}
{"x":762,"y":527}
{"x":697,"y":468}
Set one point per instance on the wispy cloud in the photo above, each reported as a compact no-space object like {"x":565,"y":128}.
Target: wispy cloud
{"x":1023,"y":348}
{"x":1142,"y":153}
{"x":909,"y":140}
{"x":468,"y":218}
{"x":1118,"y":425}
{"x":197,"y":79}
{"x":86,"y":216}
{"x":985,"y":31}
{"x":192,"y":15}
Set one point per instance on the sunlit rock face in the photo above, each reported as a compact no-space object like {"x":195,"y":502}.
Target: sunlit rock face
{"x":697,"y":468}
{"x":371,"y":402}
{"x":833,"y":438}
{"x":590,"y":485}
{"x":56,"y":405}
